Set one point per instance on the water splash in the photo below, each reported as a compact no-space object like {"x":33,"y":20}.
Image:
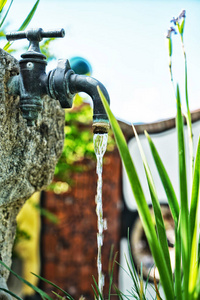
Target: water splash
{"x":100,"y":145}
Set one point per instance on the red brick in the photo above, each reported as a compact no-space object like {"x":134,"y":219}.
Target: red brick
{"x":72,"y":248}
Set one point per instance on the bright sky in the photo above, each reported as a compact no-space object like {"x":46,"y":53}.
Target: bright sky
{"x":126,"y":46}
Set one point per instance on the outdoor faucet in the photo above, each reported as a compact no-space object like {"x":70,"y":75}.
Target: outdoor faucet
{"x":61,"y":83}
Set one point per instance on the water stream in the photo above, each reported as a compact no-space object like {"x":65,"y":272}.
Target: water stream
{"x":100,"y":145}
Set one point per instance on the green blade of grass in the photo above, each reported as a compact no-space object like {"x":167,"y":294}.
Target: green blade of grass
{"x":189,"y":123}
{"x":177,"y":271}
{"x":156,"y":207}
{"x":54,"y":285}
{"x":57,"y":295}
{"x":99,"y":296}
{"x":29,"y":17}
{"x":95,"y":293}
{"x":168,"y":187}
{"x":195,"y":192}
{"x":4,"y":17}
{"x":193,"y":267}
{"x":25,"y":23}
{"x":183,"y":196}
{"x":111,"y":272}
{"x":119,"y":293}
{"x":36,"y":289}
{"x":193,"y":275}
{"x":197,"y":291}
{"x":132,"y":270}
{"x":133,"y":275}
{"x":141,"y":203}
{"x":2,"y":4}
{"x":11,"y":293}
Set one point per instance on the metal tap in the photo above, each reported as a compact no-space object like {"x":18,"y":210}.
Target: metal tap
{"x":61,"y":83}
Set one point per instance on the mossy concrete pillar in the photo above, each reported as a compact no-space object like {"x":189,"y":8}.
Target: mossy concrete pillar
{"x":28,"y":156}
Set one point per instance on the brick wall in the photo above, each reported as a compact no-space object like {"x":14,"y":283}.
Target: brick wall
{"x":69,"y":249}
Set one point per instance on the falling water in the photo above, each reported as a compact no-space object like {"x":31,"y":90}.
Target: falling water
{"x":100,"y":145}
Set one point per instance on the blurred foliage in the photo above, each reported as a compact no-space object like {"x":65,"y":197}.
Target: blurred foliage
{"x":46,"y":49}
{"x":78,"y":143}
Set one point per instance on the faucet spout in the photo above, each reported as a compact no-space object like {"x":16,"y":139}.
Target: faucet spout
{"x":83,"y":83}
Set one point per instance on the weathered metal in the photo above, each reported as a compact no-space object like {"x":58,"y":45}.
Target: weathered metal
{"x":61,"y":83}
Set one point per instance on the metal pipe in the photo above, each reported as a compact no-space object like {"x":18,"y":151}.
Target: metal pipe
{"x":81,"y":83}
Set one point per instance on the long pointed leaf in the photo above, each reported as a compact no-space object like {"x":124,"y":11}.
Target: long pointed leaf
{"x":197,"y":291}
{"x":193,"y":270}
{"x":111,"y":276}
{"x":35,"y":288}
{"x":195,"y":191}
{"x":169,"y":190}
{"x":29,"y":17}
{"x":11,"y":293}
{"x":100,"y":296}
{"x":156,"y":207}
{"x":184,"y":226}
{"x":132,"y":271}
{"x":177,"y":271}
{"x":54,"y":285}
{"x":4,"y":17}
{"x":25,"y":23}
{"x":2,"y":4}
{"x":141,"y":202}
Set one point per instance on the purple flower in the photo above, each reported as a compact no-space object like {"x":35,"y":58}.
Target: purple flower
{"x":169,"y":32}
{"x":174,"y":21}
{"x":182,"y":14}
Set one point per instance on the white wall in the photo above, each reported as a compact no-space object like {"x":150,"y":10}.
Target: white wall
{"x":166,"y":144}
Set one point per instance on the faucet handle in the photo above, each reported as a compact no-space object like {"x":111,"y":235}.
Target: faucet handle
{"x":36,"y":34}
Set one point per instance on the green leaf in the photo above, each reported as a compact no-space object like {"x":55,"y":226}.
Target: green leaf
{"x":111,"y":276}
{"x":184,"y":224}
{"x":189,"y":121}
{"x":99,"y":296}
{"x":29,"y":17}
{"x":54,"y":285}
{"x":119,"y":293}
{"x":141,"y":203}
{"x":169,"y":190}
{"x":170,"y":46}
{"x":47,"y":214}
{"x":181,"y":27}
{"x":178,"y":268}
{"x":193,"y":267}
{"x":195,"y":192}
{"x":58,"y":296}
{"x":6,"y":13}
{"x":36,"y":289}
{"x":25,"y":23}
{"x":10,"y":293}
{"x":2,"y":4}
{"x":197,"y":291}
{"x":133,"y":273}
{"x":156,"y":207}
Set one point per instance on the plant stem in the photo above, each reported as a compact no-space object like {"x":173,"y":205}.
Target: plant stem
{"x":188,"y":116}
